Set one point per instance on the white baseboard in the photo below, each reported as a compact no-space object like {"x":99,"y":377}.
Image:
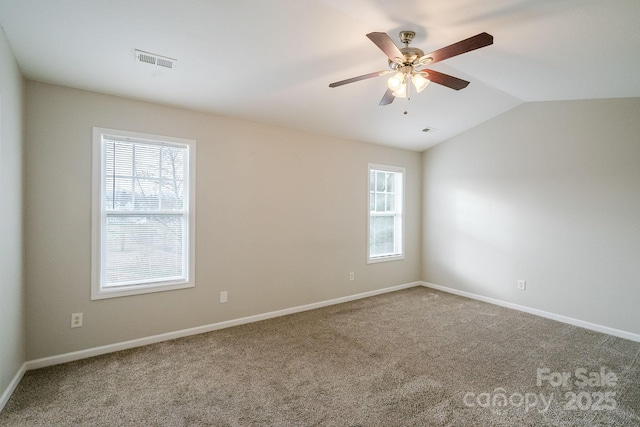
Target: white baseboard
{"x":110,"y":348}
{"x":12,"y":386}
{"x":560,"y":318}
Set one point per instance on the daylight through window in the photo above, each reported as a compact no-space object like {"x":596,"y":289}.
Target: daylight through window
{"x":143,"y":223}
{"x":386,"y":187}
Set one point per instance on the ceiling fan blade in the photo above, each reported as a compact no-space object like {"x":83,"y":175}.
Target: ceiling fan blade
{"x":387,"y":98}
{"x":463,"y":46}
{"x":384,"y":42}
{"x":357,"y":79}
{"x":446,"y":80}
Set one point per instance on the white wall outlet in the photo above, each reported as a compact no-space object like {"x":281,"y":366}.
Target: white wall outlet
{"x":352,"y":276}
{"x":522,"y":285}
{"x":76,"y":320}
{"x":223,"y":296}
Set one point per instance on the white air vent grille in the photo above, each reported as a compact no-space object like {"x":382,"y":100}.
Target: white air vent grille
{"x":157,"y":60}
{"x":164,"y":63}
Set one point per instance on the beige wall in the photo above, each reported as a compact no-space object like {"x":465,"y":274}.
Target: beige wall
{"x":549,"y":193}
{"x":281,"y":220}
{"x":11,"y":274}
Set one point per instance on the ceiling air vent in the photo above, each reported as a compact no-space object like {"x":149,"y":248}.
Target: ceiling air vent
{"x":157,"y":60}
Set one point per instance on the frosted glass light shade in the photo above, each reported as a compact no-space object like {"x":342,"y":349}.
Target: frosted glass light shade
{"x":420,"y":81}
{"x":401,"y":92}
{"x":396,"y":81}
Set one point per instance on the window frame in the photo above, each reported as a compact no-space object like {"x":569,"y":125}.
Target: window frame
{"x":99,"y":215}
{"x":398,"y":253}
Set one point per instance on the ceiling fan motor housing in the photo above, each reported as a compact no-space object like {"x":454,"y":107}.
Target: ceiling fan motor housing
{"x":410,"y":54}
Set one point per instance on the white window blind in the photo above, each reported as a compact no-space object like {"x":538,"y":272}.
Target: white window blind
{"x":385,"y":213}
{"x":144,"y":227}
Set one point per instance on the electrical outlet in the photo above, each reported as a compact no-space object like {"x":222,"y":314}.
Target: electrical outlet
{"x":352,"y":276}
{"x":223,"y":296}
{"x":76,"y":320}
{"x":522,"y":285}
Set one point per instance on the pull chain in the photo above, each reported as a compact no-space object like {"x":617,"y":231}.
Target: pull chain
{"x":408,"y":91}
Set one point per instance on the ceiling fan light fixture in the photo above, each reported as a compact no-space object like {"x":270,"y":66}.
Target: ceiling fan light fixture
{"x":396,"y":81}
{"x":420,"y":81}
{"x":400,"y":92}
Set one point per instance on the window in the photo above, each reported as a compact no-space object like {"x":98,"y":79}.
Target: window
{"x":386,"y":188}
{"x":143,"y":213}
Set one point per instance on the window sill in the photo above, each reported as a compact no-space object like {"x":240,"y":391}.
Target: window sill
{"x":138,"y":290}
{"x":385,"y":259}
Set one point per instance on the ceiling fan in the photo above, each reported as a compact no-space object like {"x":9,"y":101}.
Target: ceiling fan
{"x":405,"y":64}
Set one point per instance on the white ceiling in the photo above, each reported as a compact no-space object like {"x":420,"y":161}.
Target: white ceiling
{"x":271,"y":60}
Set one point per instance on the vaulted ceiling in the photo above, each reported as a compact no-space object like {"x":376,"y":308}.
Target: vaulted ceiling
{"x":271,"y":61}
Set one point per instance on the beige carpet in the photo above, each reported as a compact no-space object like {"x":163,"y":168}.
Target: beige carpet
{"x":416,"y":357}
